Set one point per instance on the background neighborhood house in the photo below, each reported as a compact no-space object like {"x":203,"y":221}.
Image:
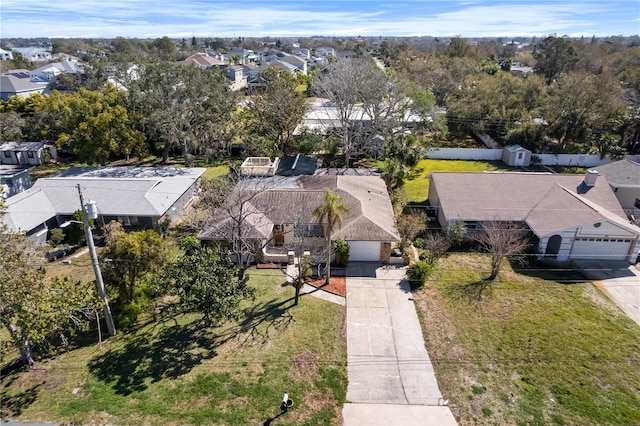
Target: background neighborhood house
{"x":19,"y":83}
{"x":277,"y":202}
{"x":25,"y":153}
{"x":624,"y":178}
{"x":132,"y":196}
{"x":572,"y":216}
{"x":14,"y":179}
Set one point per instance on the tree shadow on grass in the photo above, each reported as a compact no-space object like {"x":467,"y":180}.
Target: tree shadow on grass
{"x":14,"y":404}
{"x":472,"y":293}
{"x":175,"y":350}
{"x":263,"y":319}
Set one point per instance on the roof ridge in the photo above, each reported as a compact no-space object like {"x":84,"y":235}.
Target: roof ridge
{"x":603,"y":211}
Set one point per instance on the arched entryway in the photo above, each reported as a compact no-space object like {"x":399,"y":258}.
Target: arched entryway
{"x":553,"y":247}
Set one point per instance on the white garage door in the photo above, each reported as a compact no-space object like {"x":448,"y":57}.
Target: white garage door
{"x":364,"y":251}
{"x":600,"y":248}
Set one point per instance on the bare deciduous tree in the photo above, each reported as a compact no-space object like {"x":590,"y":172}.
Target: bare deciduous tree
{"x":501,"y":240}
{"x":235,"y":223}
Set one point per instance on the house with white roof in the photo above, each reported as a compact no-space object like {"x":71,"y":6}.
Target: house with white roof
{"x":5,"y":55}
{"x":133,"y":196}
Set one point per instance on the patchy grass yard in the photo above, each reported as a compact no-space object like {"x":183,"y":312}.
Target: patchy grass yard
{"x":417,"y":184}
{"x":529,"y":351}
{"x":177,"y":372}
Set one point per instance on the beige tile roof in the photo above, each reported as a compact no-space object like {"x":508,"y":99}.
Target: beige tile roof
{"x":547,"y":202}
{"x":370,"y":216}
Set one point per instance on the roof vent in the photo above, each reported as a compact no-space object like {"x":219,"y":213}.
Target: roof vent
{"x":590,"y":178}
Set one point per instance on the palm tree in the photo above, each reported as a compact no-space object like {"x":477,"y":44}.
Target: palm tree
{"x":328,"y":215}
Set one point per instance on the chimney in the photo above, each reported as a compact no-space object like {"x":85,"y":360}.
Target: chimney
{"x":590,"y":178}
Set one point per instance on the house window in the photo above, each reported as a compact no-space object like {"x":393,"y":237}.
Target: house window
{"x":637,"y":204}
{"x":7,"y":154}
{"x":520,"y":154}
{"x":30,"y":154}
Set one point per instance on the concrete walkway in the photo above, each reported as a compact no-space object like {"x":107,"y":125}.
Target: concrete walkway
{"x":390,"y":374}
{"x":292,"y":273}
{"x":618,"y":280}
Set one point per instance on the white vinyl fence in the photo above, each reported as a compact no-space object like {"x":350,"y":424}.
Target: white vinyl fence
{"x":574,"y":160}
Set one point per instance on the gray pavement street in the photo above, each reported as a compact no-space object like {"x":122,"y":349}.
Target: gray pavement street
{"x":389,"y":370}
{"x":619,"y":280}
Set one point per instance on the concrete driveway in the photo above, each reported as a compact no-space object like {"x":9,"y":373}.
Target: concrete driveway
{"x":390,"y":374}
{"x":618,"y":280}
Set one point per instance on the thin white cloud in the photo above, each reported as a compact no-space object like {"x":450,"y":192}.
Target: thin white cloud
{"x":145,"y":19}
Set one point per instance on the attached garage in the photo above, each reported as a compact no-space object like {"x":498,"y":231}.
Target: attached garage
{"x":601,"y":248}
{"x":364,"y":251}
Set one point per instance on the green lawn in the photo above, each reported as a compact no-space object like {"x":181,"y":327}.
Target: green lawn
{"x":530,"y":351}
{"x":176,"y":372}
{"x":417,"y":184}
{"x":216,"y":172}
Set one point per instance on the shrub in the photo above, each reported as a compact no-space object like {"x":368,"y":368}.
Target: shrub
{"x":418,"y":272}
{"x":425,"y":256}
{"x":418,"y":243}
{"x":341,"y":249}
{"x":57,"y":237}
{"x":128,"y":316}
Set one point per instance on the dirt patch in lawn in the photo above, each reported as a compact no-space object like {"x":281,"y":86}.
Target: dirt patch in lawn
{"x":337,"y":285}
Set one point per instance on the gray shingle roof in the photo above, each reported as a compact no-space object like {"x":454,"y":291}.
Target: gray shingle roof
{"x":620,"y":174}
{"x":547,"y":202}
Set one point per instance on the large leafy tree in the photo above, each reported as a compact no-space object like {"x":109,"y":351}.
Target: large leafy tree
{"x":94,"y":124}
{"x":554,"y":56}
{"x":366,"y":102}
{"x":579,"y":103}
{"x":494,"y":104}
{"x":276,"y":108}
{"x":34,"y":309}
{"x":185,"y":108}
{"x":130,"y":256}
{"x":329,"y":215}
{"x":206,"y":282}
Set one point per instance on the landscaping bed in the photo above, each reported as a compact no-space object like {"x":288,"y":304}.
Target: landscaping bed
{"x":337,"y":285}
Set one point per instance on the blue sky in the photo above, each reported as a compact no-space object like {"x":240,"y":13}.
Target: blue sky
{"x":283,"y":18}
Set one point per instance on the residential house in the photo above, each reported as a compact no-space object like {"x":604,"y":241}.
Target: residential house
{"x":242,"y":56}
{"x":624,"y":178}
{"x":202,"y":60}
{"x":324,"y":52}
{"x":341,"y":54}
{"x":133,"y":196}
{"x":297,"y":62}
{"x":236,"y":80}
{"x":34,"y":54}
{"x":278,"y":202}
{"x":5,"y":55}
{"x":64,"y":57}
{"x":19,"y":83}
{"x":571,"y":216}
{"x":24,"y":153}
{"x":302,"y":53}
{"x":49,"y":72}
{"x":14,"y":179}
